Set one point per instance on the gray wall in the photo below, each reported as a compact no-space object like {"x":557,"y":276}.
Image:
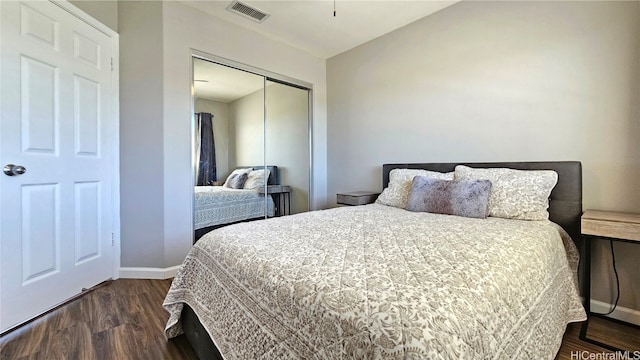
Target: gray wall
{"x":141,"y":134}
{"x":104,"y":11}
{"x":499,"y":81}
{"x":247,"y":129}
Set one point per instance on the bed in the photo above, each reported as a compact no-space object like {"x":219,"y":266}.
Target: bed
{"x":377,"y":281}
{"x":216,"y":206}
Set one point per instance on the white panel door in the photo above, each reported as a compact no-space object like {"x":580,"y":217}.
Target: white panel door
{"x":56,"y":227}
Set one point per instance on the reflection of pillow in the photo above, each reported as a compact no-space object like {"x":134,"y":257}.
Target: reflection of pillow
{"x":397,"y":192}
{"x":469,"y":198}
{"x":236,"y":181}
{"x":515,"y":194}
{"x":236,"y":172}
{"x":256,"y":179}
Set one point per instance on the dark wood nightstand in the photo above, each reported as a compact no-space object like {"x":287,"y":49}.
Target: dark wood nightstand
{"x":281,"y":195}
{"x":357,"y":198}
{"x":607,"y":225}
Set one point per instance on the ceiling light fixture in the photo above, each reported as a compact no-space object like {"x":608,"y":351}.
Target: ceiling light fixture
{"x":334,"y":8}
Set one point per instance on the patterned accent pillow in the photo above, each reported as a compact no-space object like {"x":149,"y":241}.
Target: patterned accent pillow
{"x":256,"y":179}
{"x":397,"y":193}
{"x":236,"y":181}
{"x":468,"y":198}
{"x":236,"y":172}
{"x":515,"y":194}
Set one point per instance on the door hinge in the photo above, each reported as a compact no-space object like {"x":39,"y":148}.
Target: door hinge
{"x":112,"y":67}
{"x":113,"y":239}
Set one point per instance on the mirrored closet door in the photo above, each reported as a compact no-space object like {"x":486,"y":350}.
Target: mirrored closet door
{"x":287,"y":134}
{"x":251,"y":146}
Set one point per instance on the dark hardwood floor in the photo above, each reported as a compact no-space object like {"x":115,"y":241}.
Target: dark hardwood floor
{"x":125,"y":320}
{"x":121,"y":320}
{"x":609,"y":332}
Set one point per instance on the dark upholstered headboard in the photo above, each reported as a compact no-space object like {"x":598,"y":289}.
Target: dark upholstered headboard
{"x":274,"y":175}
{"x":565,"y":204}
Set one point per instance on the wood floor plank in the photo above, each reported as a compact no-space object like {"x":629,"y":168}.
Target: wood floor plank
{"x":74,"y":342}
{"x":21,"y":342}
{"x":125,"y":320}
{"x":612,"y":333}
{"x":123,"y":340}
{"x":101,"y":310}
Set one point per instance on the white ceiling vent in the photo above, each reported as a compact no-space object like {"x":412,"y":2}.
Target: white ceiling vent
{"x":247,"y":11}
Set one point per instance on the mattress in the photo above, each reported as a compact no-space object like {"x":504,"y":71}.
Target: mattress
{"x":381,"y":282}
{"x":217,"y":205}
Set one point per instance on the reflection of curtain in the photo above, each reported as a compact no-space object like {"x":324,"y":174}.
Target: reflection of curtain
{"x":206,"y":156}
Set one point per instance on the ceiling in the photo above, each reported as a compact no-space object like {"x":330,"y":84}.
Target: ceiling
{"x":222,"y":83}
{"x":310,"y":25}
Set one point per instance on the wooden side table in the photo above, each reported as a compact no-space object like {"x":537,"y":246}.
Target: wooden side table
{"x":357,"y":198}
{"x":608,"y":225}
{"x":281,"y":197}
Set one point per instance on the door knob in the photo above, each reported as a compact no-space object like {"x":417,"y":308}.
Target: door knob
{"x":11,"y":170}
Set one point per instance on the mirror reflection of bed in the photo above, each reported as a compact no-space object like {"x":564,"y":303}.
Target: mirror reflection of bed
{"x":246,"y":126}
{"x":223,"y":204}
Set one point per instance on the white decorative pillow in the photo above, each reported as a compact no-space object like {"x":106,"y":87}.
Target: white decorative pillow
{"x":515,"y":194}
{"x":397,"y":193}
{"x":234,"y":174}
{"x":257,"y":179}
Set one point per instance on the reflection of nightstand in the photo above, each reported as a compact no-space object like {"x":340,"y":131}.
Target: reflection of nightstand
{"x":280,"y":194}
{"x":357,"y":197}
{"x":607,"y":225}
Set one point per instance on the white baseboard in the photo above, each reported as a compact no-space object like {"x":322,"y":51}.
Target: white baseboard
{"x":148,"y":273}
{"x":620,"y":313}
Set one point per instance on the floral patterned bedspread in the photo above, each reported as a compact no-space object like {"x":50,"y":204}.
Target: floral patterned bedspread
{"x":216,"y":205}
{"x":380,"y":282}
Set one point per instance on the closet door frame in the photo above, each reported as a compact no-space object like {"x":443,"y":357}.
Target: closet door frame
{"x":268,"y":76}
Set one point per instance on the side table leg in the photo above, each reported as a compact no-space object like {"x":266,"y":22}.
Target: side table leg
{"x":587,"y":286}
{"x":289,"y":202}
